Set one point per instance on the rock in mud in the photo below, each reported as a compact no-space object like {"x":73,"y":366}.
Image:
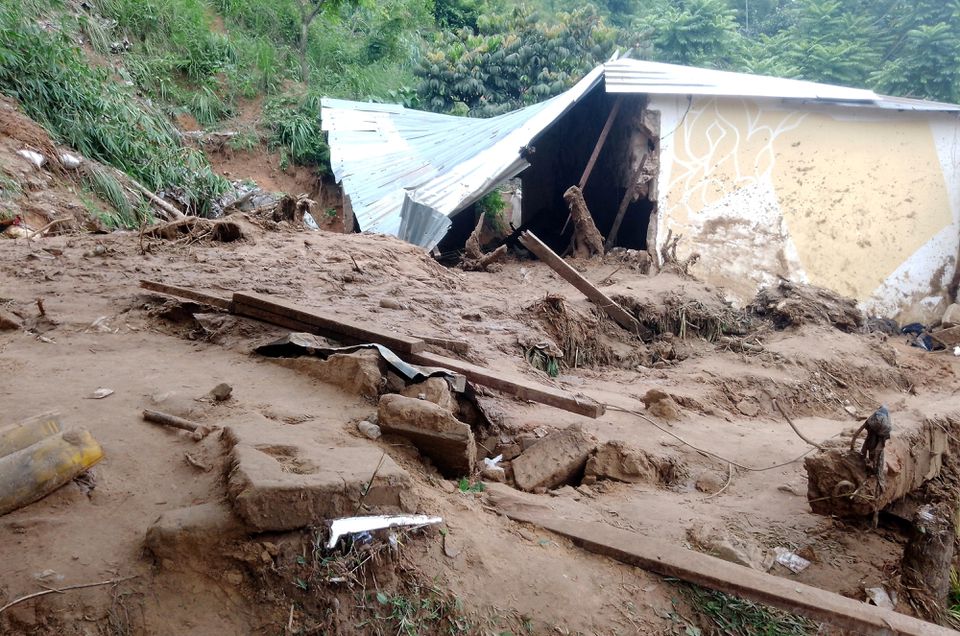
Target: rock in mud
{"x":221,"y":392}
{"x":726,"y":545}
{"x":620,"y":462}
{"x":436,"y":390}
{"x":708,"y":482}
{"x":435,"y":431}
{"x":369,"y":429}
{"x":9,"y":321}
{"x":557,"y":459}
{"x":661,"y":405}
{"x":281,"y":479}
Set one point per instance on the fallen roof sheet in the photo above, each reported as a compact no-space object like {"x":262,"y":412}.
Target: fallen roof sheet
{"x":406,"y":171}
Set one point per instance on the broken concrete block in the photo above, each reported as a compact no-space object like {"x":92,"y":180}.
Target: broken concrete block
{"x":439,"y":435}
{"x":436,"y":390}
{"x":617,"y":461}
{"x":951,"y":317}
{"x":183,"y":533}
{"x":280,"y":479}
{"x":557,"y":459}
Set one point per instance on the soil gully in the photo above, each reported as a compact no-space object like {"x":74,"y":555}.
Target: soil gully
{"x":226,"y":550}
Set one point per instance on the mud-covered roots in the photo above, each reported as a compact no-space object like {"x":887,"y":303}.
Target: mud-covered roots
{"x":575,"y":332}
{"x":685,"y":317}
{"x":194,"y":229}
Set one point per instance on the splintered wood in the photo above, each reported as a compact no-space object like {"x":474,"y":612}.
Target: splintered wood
{"x":587,"y":240}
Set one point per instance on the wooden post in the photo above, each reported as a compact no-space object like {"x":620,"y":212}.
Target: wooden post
{"x":572,"y":276}
{"x":627,"y":199}
{"x":601,"y":140}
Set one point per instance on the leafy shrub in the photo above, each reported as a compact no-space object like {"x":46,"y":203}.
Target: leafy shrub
{"x":83,"y":107}
{"x":294,"y":125}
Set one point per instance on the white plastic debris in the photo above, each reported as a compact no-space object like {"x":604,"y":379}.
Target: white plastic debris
{"x":956,"y":351}
{"x":880,"y":597}
{"x":33,"y":157}
{"x":71,"y":162}
{"x":492,"y":463}
{"x":369,"y":429}
{"x":356,"y":525}
{"x":100,"y":393}
{"x":791,"y":561}
{"x":309,"y":221}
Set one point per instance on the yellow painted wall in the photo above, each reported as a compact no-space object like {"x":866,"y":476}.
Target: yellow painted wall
{"x":857,"y":191}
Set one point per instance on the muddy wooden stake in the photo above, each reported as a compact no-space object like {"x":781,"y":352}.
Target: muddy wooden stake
{"x":156,"y":417}
{"x":567,"y":273}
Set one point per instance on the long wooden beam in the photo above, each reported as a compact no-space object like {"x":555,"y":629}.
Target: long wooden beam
{"x":182,"y":292}
{"x":290,"y":316}
{"x":524,"y":390}
{"x":674,"y":561}
{"x":250,"y":304}
{"x":572,"y":276}
{"x":600,"y":141}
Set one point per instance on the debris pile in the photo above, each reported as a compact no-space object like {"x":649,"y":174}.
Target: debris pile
{"x":789,"y":304}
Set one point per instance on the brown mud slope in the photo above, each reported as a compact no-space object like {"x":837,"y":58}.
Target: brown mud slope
{"x":163,"y":509}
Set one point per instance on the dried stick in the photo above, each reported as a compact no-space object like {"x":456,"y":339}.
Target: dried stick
{"x":62,"y":590}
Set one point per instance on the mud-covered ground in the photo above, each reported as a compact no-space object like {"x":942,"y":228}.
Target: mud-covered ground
{"x":481,"y":573}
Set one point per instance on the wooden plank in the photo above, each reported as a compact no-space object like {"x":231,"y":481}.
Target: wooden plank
{"x":627,"y":199}
{"x":189,"y":294}
{"x":525,"y":390}
{"x":572,"y":276}
{"x":342,"y":329}
{"x":670,"y":560}
{"x":601,"y":140}
{"x":451,"y":344}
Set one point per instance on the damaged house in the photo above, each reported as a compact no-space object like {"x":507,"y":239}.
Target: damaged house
{"x":762,"y":177}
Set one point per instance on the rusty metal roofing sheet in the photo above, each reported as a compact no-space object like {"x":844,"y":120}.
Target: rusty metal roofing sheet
{"x":406,"y":171}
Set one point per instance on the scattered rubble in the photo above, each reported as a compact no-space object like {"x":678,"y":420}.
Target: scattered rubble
{"x":790,"y":304}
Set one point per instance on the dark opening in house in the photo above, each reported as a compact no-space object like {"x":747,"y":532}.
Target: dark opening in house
{"x":561,"y":153}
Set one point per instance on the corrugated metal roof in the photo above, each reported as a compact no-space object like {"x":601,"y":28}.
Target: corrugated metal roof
{"x":406,"y":171}
{"x":657,"y":78}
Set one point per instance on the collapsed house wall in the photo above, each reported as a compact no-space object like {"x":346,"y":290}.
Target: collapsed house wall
{"x":865,"y":202}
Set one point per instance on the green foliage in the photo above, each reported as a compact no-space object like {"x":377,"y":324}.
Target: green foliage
{"x":737,"y":617}
{"x":695,"y":32}
{"x":294,"y":125}
{"x":85,"y":108}
{"x":464,"y":485}
{"x":517,"y":58}
{"x":418,"y":610}
{"x":105,"y":185}
{"x":457,"y":14}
